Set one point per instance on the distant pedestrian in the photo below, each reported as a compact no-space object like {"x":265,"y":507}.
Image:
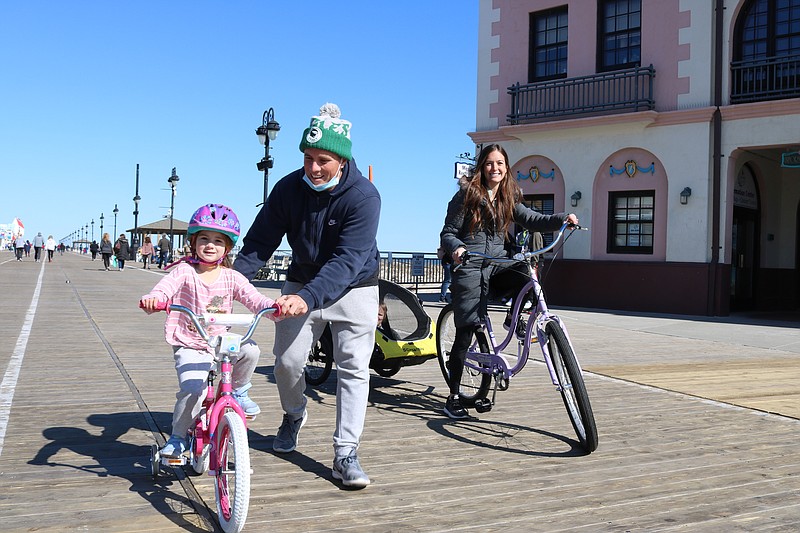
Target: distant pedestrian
{"x":38,"y":244}
{"x":122,"y":249}
{"x":164,"y":246}
{"x":50,"y":246}
{"x":94,"y":248}
{"x":61,"y":248}
{"x":147,"y":252}
{"x":27,"y":248}
{"x":106,"y":249}
{"x":19,"y":247}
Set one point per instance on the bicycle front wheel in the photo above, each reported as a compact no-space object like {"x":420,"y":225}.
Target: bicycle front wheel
{"x":573,"y":390}
{"x":474,"y":384}
{"x":232,"y":487}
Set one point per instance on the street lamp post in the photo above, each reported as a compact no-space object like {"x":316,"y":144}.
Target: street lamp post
{"x":101,"y":225}
{"x":135,"y":236}
{"x":172,"y":180}
{"x":92,"y":230}
{"x":267,"y":131}
{"x":116,"y":210}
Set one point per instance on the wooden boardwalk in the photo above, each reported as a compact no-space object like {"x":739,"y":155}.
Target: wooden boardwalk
{"x":688,"y":441}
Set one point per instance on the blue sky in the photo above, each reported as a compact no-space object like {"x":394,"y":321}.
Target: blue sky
{"x":91,"y":88}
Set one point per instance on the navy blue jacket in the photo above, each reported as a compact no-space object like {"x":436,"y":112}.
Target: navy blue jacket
{"x":332,"y":235}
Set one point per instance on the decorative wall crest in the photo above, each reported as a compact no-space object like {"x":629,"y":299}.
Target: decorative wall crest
{"x":631,"y":168}
{"x":534,"y":174}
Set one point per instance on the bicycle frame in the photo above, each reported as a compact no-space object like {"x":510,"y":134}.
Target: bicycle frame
{"x":217,"y":403}
{"x":494,"y":363}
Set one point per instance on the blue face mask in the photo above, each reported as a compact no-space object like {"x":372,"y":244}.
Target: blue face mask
{"x":324,"y":187}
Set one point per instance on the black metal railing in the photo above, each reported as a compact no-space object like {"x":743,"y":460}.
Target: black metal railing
{"x":404,"y":268}
{"x":771,"y":78}
{"x":622,"y":90}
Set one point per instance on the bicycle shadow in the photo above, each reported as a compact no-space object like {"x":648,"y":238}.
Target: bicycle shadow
{"x":109,"y":456}
{"x":420,"y":401}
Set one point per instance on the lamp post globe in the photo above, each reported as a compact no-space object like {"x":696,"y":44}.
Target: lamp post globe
{"x":172,"y":180}
{"x":116,"y":210}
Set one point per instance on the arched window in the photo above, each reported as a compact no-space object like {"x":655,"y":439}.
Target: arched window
{"x":766,"y":55}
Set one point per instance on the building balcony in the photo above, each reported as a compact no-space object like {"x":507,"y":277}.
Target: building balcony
{"x":773,"y":78}
{"x":627,"y":90}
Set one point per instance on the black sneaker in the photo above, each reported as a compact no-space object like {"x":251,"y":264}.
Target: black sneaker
{"x":454,"y":409}
{"x":522,"y":326}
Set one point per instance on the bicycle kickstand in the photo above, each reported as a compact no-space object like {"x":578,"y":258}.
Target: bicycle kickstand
{"x":484,"y":405}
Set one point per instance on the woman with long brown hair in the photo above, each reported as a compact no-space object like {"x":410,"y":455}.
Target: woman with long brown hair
{"x":478,"y":219}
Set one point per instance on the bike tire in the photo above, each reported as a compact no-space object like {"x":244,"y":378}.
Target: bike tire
{"x":320,"y":360}
{"x":573,"y":389}
{"x":388,"y":369}
{"x":232,"y":486}
{"x":199,"y":461}
{"x":474,"y":384}
{"x":155,"y":460}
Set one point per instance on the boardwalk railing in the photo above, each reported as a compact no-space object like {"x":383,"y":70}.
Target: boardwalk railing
{"x":404,"y":268}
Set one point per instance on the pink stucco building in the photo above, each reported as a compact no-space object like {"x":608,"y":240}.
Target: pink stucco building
{"x":671,"y":128}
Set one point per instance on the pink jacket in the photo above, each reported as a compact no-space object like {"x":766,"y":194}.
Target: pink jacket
{"x":184,"y":287}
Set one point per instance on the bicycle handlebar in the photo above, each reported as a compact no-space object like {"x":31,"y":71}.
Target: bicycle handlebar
{"x":219,"y":319}
{"x":527,"y":255}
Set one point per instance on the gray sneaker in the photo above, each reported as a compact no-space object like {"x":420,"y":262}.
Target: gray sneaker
{"x":249,"y":407}
{"x":286,"y":439}
{"x":348,"y":470}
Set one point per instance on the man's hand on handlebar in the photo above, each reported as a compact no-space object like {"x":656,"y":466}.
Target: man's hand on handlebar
{"x":291,"y":305}
{"x":572,"y":219}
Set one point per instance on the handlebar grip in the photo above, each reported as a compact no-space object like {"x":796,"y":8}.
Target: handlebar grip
{"x":277,"y":311}
{"x":160,"y":306}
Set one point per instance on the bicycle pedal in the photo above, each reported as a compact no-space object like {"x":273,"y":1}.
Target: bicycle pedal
{"x":171,"y":460}
{"x":483,"y":405}
{"x":250,"y":417}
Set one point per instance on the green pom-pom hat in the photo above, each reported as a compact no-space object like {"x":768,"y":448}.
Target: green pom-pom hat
{"x":328,"y":132}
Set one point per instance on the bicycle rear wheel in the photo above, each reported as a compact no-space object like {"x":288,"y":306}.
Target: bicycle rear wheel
{"x":474,"y":384}
{"x":199,"y":456}
{"x":320,"y":359}
{"x":573,"y":390}
{"x":232,"y":487}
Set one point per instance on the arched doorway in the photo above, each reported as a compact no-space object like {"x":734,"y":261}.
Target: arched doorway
{"x":745,"y":243}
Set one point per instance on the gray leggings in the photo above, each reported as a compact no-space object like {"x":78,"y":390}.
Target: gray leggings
{"x":193,"y":367}
{"x":352,"y":318}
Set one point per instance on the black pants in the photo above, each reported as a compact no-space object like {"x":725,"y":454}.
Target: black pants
{"x":504,"y":284}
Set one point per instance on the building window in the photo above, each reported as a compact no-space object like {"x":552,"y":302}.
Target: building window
{"x":631,"y":220}
{"x":766,"y":53}
{"x":769,"y":28}
{"x":544,"y":204}
{"x":619,"y":34}
{"x":548,"y":45}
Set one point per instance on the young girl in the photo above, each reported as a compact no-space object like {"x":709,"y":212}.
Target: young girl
{"x":205,"y":283}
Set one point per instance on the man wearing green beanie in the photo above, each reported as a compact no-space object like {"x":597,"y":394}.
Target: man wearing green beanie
{"x":329,"y":214}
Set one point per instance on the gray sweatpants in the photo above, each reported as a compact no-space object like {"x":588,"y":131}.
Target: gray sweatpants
{"x":193,"y":367}
{"x":352,"y":318}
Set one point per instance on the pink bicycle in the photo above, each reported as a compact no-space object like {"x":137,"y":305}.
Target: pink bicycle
{"x":218,"y":437}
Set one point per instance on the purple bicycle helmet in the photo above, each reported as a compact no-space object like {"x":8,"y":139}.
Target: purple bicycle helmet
{"x":215,"y":217}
